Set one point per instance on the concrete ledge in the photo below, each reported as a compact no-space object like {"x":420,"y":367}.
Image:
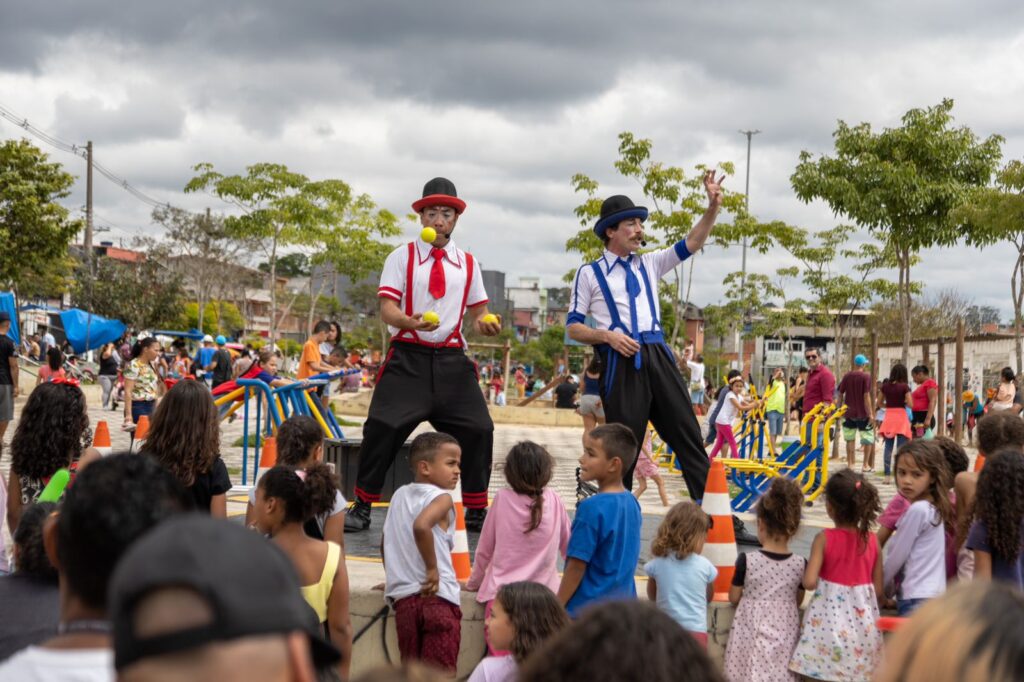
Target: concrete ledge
{"x":369,"y":651}
{"x":538,"y":413}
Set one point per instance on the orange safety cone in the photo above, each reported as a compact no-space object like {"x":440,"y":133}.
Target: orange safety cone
{"x":101,"y":438}
{"x":979,"y":463}
{"x":720,"y":548}
{"x":268,"y":457}
{"x":460,"y":552}
{"x":141,"y":431}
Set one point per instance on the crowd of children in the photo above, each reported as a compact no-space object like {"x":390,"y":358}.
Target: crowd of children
{"x":945,"y":524}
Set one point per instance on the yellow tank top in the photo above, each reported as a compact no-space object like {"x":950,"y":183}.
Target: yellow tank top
{"x":316,"y":594}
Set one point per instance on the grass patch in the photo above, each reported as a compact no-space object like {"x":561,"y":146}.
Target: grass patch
{"x":235,"y":471}
{"x":239,"y":442}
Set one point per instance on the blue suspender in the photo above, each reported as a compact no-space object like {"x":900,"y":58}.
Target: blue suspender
{"x":655,"y":336}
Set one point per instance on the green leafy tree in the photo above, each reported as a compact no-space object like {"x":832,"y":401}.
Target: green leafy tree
{"x":219,"y":317}
{"x":354,"y":248}
{"x":201,"y":250}
{"x":290,"y":265}
{"x":902,"y":184}
{"x":279,"y":209}
{"x":837,"y":296}
{"x":677,"y":201}
{"x":116,"y":293}
{"x":996,"y":215}
{"x":35,"y":230}
{"x":933,"y":316}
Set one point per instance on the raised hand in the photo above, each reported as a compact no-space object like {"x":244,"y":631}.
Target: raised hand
{"x":713,"y":186}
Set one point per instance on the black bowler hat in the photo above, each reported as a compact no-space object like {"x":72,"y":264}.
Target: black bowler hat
{"x":614,"y":210}
{"x":440,"y":192}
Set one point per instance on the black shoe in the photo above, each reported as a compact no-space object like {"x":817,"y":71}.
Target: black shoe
{"x":743,"y":536}
{"x":358,"y":517}
{"x":475,"y":520}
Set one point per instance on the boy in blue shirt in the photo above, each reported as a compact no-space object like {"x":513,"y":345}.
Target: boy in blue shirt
{"x":604,"y":546}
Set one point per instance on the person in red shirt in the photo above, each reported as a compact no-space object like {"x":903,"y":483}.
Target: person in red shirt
{"x":821,"y":383}
{"x":855,"y":392}
{"x":924,"y":399}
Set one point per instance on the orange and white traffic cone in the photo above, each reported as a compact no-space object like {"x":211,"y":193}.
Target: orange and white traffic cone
{"x":268,"y":457}
{"x":141,"y":431}
{"x":720,"y":548}
{"x":979,"y":463}
{"x":101,"y":438}
{"x":460,"y":552}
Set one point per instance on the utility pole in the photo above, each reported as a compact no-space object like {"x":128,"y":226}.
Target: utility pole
{"x":88,"y":209}
{"x":90,"y":260}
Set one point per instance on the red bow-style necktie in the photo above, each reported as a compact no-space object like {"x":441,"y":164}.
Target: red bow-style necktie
{"x":437,"y":274}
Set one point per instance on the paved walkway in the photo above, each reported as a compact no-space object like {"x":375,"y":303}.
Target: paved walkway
{"x":563,"y":443}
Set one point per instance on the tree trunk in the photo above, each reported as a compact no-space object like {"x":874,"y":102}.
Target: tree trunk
{"x":904,"y":287}
{"x":273,"y":292}
{"x":1017,"y":289}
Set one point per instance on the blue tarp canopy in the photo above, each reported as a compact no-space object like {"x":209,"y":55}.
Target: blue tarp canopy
{"x":7,"y":303}
{"x":193,"y":334}
{"x":79,"y":324}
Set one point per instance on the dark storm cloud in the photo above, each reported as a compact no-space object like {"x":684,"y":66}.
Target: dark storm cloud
{"x":145,"y":114}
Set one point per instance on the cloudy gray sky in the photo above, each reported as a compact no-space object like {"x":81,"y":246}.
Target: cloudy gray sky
{"x":507,"y":99}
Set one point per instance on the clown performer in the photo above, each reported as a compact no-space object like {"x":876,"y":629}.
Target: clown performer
{"x":426,"y":289}
{"x":639,"y":379}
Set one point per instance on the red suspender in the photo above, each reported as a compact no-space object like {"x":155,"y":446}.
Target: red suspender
{"x":409,"y":334}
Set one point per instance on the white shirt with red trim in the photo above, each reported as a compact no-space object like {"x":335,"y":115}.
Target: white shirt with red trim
{"x":406,"y":279}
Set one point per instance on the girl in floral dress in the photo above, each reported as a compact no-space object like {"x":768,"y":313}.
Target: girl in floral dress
{"x":839,"y":639}
{"x":767,"y":586}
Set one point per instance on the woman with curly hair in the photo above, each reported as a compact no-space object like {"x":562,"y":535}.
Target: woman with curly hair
{"x":995,"y":535}
{"x":185,"y":438}
{"x":53,"y":433}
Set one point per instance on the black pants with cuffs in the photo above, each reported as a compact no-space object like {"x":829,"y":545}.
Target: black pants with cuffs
{"x":657,"y":393}
{"x":438,"y":385}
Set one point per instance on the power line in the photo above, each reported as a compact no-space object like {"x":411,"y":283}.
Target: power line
{"x":79,"y":150}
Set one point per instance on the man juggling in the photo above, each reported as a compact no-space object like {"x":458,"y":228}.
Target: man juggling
{"x":427,"y":288}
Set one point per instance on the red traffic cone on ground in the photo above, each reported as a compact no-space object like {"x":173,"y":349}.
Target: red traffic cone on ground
{"x":268,"y":457}
{"x":460,"y":552}
{"x":101,"y":438}
{"x":720,"y":548}
{"x":141,"y":431}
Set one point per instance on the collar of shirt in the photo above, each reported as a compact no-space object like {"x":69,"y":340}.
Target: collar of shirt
{"x":610,"y":259}
{"x":451,"y":253}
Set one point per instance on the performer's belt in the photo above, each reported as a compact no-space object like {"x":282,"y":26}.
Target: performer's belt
{"x":611,"y":356}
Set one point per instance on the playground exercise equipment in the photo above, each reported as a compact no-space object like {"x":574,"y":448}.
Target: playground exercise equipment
{"x":273,"y":406}
{"x":803,"y":461}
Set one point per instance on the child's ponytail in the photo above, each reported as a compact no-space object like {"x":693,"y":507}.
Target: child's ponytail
{"x":528,"y":469}
{"x":854,"y":501}
{"x":304,"y":493}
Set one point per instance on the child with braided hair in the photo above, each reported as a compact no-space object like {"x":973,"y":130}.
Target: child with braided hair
{"x":286,"y":498}
{"x":526,"y":530}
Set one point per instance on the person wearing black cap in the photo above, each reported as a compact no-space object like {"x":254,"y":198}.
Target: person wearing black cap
{"x":8,"y":376}
{"x":426,"y":375}
{"x":203,"y":599}
{"x":640,"y":381}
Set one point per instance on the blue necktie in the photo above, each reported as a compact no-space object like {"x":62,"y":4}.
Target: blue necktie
{"x":633,"y":289}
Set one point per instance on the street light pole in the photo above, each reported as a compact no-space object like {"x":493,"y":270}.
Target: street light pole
{"x":746,"y":200}
{"x":743,"y":277}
